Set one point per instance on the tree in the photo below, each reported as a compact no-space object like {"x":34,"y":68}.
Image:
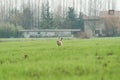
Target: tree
{"x":15,"y":17}
{"x":8,"y":30}
{"x":27,"y":18}
{"x":71,"y":18}
{"x":46,"y":17}
{"x":72,"y":21}
{"x":58,"y":19}
{"x":112,"y":24}
{"x":80,"y":22}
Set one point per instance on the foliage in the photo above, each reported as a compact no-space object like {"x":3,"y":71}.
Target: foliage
{"x":72,"y":21}
{"x":27,"y":18}
{"x":46,"y":17}
{"x":14,"y":17}
{"x":112,"y":24}
{"x":47,"y":20}
{"x":8,"y":30}
{"x":58,"y":19}
{"x":81,"y":22}
{"x":71,"y":18}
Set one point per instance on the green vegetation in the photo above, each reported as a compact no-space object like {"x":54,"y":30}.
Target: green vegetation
{"x":8,"y":30}
{"x":77,"y":59}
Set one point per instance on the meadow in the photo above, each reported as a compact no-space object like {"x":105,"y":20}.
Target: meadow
{"x":77,"y":59}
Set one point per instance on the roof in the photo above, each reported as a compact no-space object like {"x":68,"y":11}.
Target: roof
{"x":106,"y":13}
{"x":51,"y":30}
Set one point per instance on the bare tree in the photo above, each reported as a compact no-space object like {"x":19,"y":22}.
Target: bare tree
{"x":112,"y":24}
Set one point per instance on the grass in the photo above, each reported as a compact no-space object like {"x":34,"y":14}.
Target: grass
{"x":77,"y":59}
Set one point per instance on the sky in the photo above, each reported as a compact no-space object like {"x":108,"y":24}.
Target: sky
{"x":57,"y":2}
{"x":118,"y":5}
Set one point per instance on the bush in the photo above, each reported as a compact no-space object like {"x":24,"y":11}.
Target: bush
{"x":82,"y":35}
{"x":8,"y":30}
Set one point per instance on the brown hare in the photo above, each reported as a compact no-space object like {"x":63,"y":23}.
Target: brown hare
{"x":59,"y":42}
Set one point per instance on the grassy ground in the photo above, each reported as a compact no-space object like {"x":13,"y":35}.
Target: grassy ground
{"x":77,"y":59}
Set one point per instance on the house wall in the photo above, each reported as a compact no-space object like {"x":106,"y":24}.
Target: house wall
{"x":29,"y":34}
{"x":93,"y":25}
{"x":46,"y":34}
{"x":106,"y":14}
{"x":87,"y":29}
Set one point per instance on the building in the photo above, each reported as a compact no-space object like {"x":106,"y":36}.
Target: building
{"x":95,"y":26}
{"x":109,"y":13}
{"x":48,"y":33}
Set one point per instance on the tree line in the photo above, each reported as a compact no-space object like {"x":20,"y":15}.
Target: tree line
{"x":39,"y":15}
{"x":27,"y":18}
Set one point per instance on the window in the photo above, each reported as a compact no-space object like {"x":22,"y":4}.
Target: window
{"x":111,"y":12}
{"x":97,"y":31}
{"x":38,"y":32}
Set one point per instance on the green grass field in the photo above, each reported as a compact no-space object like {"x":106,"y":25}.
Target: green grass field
{"x":77,"y":59}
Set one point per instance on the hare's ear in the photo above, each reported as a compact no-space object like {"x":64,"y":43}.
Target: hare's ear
{"x":61,"y":38}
